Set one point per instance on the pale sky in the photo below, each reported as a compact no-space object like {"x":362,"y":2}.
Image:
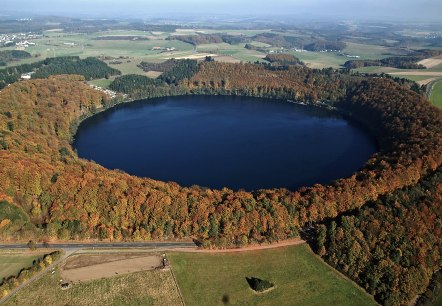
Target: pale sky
{"x":412,"y":10}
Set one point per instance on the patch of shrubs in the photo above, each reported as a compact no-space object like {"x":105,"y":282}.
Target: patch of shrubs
{"x":259,"y":285}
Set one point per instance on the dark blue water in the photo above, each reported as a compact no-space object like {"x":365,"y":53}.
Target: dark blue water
{"x":225,"y":141}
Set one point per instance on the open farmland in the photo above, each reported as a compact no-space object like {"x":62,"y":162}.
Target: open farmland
{"x":90,"y":267}
{"x":431,"y":62}
{"x":299,"y":276}
{"x":135,"y":46}
{"x":11,"y":262}
{"x":436,"y":94}
{"x":153,"y":287}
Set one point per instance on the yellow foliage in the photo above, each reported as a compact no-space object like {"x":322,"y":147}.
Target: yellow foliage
{"x":4,"y":222}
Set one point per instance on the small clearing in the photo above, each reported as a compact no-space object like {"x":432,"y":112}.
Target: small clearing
{"x":153,"y":74}
{"x":90,"y":267}
{"x":196,"y":56}
{"x":226,"y":59}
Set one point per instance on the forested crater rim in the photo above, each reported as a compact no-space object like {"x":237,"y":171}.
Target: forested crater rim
{"x":45,"y":177}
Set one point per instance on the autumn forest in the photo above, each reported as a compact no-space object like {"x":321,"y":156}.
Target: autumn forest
{"x":381,"y":226}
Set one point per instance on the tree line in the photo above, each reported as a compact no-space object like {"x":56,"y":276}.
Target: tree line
{"x":10,"y":283}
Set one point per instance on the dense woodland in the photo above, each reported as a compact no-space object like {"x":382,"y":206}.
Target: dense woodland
{"x":392,"y":246}
{"x":283,"y":59}
{"x":162,"y":67}
{"x":90,"y":68}
{"x":12,"y":74}
{"x":183,"y":69}
{"x":401,"y":62}
{"x":69,"y":198}
{"x":139,"y":86}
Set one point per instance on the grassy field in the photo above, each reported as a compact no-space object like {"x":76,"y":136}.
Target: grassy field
{"x":366,"y":51}
{"x":436,"y":94}
{"x":438,"y":301}
{"x":103,"y":83}
{"x":300,"y":278}
{"x":321,"y":59}
{"x":12,"y":263}
{"x":140,"y":288}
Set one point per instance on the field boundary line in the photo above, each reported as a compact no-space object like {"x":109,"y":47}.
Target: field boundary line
{"x":430,"y":87}
{"x":345,"y":277}
{"x":249,"y":248}
{"x":177,"y":286}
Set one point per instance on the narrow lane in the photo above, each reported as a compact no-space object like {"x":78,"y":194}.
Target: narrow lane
{"x":102,"y":245}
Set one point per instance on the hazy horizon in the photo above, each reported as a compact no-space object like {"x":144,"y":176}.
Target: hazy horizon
{"x":407,"y":10}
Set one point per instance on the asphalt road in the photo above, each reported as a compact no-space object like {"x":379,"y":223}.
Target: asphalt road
{"x":110,"y":245}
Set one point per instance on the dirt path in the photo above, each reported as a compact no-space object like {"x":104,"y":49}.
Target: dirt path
{"x":37,"y":276}
{"x":249,"y":248}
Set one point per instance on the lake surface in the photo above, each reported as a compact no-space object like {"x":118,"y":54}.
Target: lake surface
{"x":225,"y":141}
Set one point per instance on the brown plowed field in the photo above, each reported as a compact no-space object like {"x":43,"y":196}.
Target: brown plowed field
{"x":90,"y":267}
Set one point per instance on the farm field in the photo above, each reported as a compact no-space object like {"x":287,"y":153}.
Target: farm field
{"x":320,"y":59}
{"x":132,"y":52}
{"x":366,"y":51}
{"x":299,"y":276}
{"x":436,"y":94}
{"x":421,"y":76}
{"x":153,"y":287}
{"x":12,"y":262}
{"x":90,"y":267}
